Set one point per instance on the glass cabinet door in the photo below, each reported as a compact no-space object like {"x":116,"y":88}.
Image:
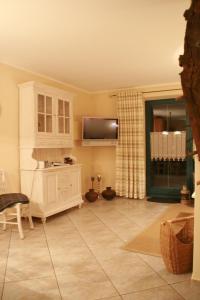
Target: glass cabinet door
{"x":63,"y":116}
{"x":44,"y":114}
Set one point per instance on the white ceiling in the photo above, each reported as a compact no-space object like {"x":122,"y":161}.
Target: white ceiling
{"x":95,"y":44}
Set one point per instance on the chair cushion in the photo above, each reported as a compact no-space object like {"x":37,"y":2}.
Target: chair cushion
{"x":10,"y":199}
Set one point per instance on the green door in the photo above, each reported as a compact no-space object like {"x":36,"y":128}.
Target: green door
{"x":168,"y":140}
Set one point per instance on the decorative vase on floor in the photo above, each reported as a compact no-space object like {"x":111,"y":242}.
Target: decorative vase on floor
{"x":109,"y":193}
{"x":91,"y":196}
{"x":185,"y":195}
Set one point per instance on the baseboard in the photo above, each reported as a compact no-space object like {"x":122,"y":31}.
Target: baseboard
{"x":163,"y":200}
{"x":195,"y":278}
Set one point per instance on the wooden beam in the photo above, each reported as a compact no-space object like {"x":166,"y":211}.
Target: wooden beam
{"x":190,"y":76}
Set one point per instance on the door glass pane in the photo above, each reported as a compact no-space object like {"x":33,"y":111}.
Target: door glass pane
{"x":60,"y":108}
{"x":41,"y":103}
{"x":67,"y":128}
{"x":48,"y":105}
{"x":61,"y":125}
{"x":49,"y":123}
{"x":168,"y":145}
{"x":66,"y":109}
{"x":41,"y":123}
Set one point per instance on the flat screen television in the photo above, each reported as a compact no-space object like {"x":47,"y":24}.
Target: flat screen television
{"x":98,"y":128}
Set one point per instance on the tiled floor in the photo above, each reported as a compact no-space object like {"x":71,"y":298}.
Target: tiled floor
{"x":78,"y":255}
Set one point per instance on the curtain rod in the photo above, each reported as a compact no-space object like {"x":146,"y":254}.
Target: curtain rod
{"x":147,"y":92}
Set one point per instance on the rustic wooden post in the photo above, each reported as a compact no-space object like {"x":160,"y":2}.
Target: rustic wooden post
{"x":190,"y":76}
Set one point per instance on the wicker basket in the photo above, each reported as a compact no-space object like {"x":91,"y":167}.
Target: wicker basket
{"x":176,"y":243}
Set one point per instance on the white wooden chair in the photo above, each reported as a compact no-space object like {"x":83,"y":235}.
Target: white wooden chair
{"x":13,"y":201}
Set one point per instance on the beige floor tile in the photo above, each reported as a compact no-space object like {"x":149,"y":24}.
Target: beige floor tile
{"x":94,"y":229}
{"x":157,"y":264}
{"x":3,"y":261}
{"x":5,"y":238}
{"x":87,"y":219}
{"x":94,"y":232}
{"x":189,"y":290}
{"x":88,"y":226}
{"x":64,"y":259}
{"x":91,"y":271}
{"x":71,"y":247}
{"x":112,"y":298}
{"x":26,"y":229}
{"x":71,"y":242}
{"x":28,"y":243}
{"x":131,"y":274}
{"x":1,"y":290}
{"x":85,"y":247}
{"x":105,"y":213}
{"x":32,"y":238}
{"x":85,"y":286}
{"x":144,"y":216}
{"x":162,"y":293}
{"x":119,"y":224}
{"x":133,"y":207}
{"x":4,"y":248}
{"x":62,"y":235}
{"x":126,"y":230}
{"x":35,"y":289}
{"x":59,"y":221}
{"x":58,"y":230}
{"x":83,"y":290}
{"x":104,"y":253}
{"x":60,"y":218}
{"x":104,"y":239}
{"x":143,"y":219}
{"x":28,"y":264}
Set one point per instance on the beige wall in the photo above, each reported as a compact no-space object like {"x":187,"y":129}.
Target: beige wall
{"x":104,"y":157}
{"x":9,"y":125}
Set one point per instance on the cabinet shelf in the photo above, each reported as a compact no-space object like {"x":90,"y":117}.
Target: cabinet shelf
{"x":46,"y":118}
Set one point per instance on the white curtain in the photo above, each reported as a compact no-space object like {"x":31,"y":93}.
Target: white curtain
{"x":168,"y":146}
{"x":130,"y":154}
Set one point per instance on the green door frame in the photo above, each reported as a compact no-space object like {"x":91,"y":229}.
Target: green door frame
{"x":166,"y":192}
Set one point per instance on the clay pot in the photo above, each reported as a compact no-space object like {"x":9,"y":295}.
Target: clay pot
{"x":185,"y":195}
{"x":108,"y":193}
{"x":91,"y":196}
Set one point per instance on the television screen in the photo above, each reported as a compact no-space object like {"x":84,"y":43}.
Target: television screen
{"x":100,"y":128}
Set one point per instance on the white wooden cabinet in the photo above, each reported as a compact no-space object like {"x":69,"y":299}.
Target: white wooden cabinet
{"x":46,"y":122}
{"x":52,"y":190}
{"x":46,"y":116}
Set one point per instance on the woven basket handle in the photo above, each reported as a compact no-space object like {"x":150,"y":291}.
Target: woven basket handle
{"x":180,"y":219}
